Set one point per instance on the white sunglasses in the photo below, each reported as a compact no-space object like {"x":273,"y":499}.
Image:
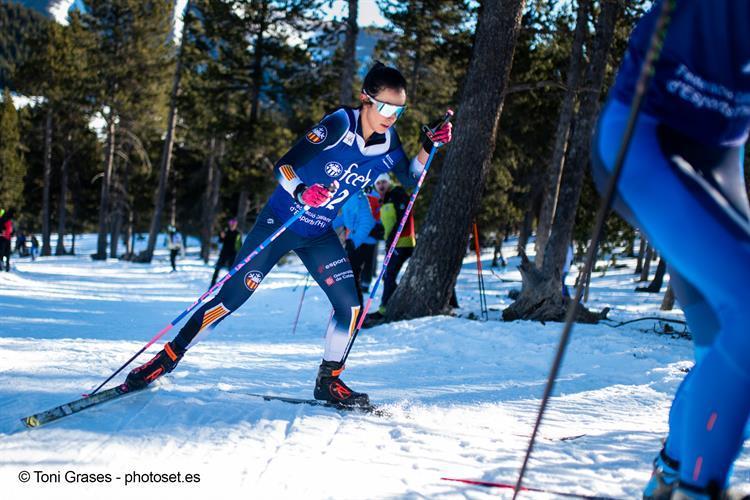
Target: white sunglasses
{"x":385,"y":109}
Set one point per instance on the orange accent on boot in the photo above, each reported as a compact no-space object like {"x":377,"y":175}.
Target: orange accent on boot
{"x":336,"y":373}
{"x":170,"y":352}
{"x":339,"y":391}
{"x":155,"y":374}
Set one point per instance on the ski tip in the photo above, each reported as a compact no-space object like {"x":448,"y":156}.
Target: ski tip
{"x":30,"y":422}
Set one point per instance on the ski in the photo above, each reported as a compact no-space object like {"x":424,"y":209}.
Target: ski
{"x":529,"y":489}
{"x":58,"y":412}
{"x":369,"y":409}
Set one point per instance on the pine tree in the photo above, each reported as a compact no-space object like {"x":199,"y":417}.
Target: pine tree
{"x":12,"y":165}
{"x":132,"y":59}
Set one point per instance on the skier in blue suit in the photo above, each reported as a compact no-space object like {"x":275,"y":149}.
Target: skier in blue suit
{"x":359,"y":222}
{"x":683,"y":184}
{"x":332,"y":162}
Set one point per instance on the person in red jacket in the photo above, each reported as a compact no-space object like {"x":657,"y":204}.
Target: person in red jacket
{"x":6,"y":230}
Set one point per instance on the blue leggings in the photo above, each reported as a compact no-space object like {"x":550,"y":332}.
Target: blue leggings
{"x":323,"y":256}
{"x":690,"y":201}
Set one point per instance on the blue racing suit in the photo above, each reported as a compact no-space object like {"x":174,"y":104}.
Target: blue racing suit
{"x":683,"y":184}
{"x":334,"y":149}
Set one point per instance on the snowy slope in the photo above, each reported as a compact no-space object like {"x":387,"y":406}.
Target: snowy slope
{"x":463,"y":394}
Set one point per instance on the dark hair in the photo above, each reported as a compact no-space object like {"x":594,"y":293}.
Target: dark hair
{"x":382,"y":77}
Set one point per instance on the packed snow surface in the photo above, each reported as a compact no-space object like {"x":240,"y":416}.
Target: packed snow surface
{"x":462,"y":394}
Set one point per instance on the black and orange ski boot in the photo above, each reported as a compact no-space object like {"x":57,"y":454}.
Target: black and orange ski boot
{"x":164,"y":362}
{"x":329,"y":387}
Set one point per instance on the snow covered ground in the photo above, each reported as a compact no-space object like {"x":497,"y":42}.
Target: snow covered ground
{"x":462,"y":394}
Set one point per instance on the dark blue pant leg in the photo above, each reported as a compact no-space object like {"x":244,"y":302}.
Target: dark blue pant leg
{"x":328,"y":264}
{"x":241,"y":286}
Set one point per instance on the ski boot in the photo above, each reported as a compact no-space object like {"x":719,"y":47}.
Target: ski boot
{"x":329,"y":387}
{"x":684,"y":491}
{"x":663,"y":478}
{"x":164,"y":362}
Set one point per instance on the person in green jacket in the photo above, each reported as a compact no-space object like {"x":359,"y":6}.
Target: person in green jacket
{"x":394,"y":200}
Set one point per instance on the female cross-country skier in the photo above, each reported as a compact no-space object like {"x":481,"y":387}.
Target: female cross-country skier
{"x":682,"y":183}
{"x":335,"y":159}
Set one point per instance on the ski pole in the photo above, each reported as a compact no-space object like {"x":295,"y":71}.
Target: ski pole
{"x":480,"y":276}
{"x":644,"y":79}
{"x":299,"y":308}
{"x":210,"y":291}
{"x":401,"y":225}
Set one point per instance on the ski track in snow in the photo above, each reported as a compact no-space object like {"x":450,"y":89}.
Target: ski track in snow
{"x":462,"y":394}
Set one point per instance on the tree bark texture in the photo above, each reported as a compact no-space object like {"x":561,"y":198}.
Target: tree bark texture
{"x":646,"y":270}
{"x":46,"y":247}
{"x":668,"y":303}
{"x":428,"y":282}
{"x":541,"y":296}
{"x":553,"y":175}
{"x":350,"y":54}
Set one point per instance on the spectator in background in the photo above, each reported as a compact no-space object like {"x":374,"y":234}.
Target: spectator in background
{"x":370,"y":248}
{"x":231,"y":241}
{"x":357,"y":218}
{"x":6,"y":231}
{"x":21,"y":243}
{"x":174,"y":242}
{"x":34,"y":247}
{"x":395,"y":199}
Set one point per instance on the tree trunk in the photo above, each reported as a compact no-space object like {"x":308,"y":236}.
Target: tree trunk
{"x":668,"y":303}
{"x":206,"y":231}
{"x":210,"y":199}
{"x":641,"y":253}
{"x":428,"y":282}
{"x":658,"y":281}
{"x":60,"y":248}
{"x":350,"y":54}
{"x":243,"y":205}
{"x":46,"y":247}
{"x":129,"y":236}
{"x":417,"y":61}
{"x":258,"y":63}
{"x":541,"y":296}
{"x":551,"y":184}
{"x":166,"y":153}
{"x":646,"y":264}
{"x":101,"y":243}
{"x":117,"y":201}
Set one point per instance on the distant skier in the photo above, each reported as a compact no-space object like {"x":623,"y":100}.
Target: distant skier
{"x":6,"y":232}
{"x":21,"y":243}
{"x":335,"y":159}
{"x":173,"y":241}
{"x":682,"y":185}
{"x":231,"y":241}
